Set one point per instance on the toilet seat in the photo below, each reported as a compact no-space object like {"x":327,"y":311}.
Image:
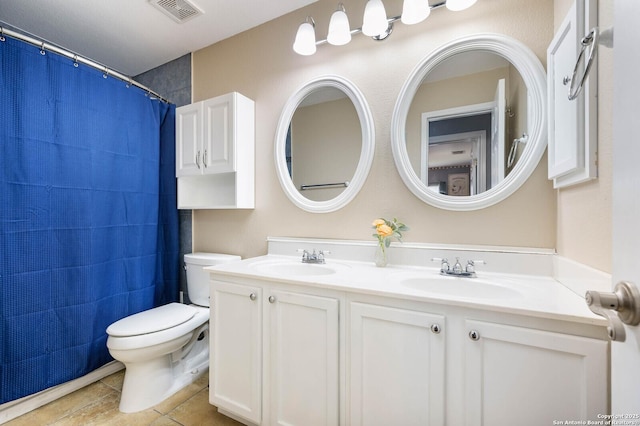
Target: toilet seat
{"x":152,"y":320}
{"x":139,"y":341}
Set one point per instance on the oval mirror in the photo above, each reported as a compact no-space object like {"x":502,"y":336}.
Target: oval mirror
{"x":469,"y":126}
{"x":324,"y":144}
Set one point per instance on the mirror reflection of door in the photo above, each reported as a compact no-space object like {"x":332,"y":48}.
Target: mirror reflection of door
{"x":457,"y":140}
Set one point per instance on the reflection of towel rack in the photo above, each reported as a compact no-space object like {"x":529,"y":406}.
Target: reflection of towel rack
{"x":324,"y":185}
{"x":514,"y":148}
{"x":590,"y":39}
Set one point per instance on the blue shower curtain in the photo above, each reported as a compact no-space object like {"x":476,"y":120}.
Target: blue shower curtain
{"x":89,"y":225}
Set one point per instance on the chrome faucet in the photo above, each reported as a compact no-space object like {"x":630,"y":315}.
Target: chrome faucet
{"x":456,"y":270}
{"x":314,"y":256}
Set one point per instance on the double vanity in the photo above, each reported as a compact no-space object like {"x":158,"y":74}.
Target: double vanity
{"x":348,"y":343}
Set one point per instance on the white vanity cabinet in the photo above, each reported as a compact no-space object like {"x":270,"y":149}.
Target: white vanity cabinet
{"x":294,"y":351}
{"x":517,"y":375}
{"x":215,"y":141}
{"x":275,"y":354}
{"x":397,"y":366}
{"x":423,"y":364}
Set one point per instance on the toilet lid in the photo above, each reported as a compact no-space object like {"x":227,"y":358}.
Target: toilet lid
{"x":153,"y":320}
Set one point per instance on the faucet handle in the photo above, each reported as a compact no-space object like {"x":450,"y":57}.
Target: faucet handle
{"x":444,"y":263}
{"x":470,"y":268}
{"x":305,"y":254}
{"x":321,"y":254}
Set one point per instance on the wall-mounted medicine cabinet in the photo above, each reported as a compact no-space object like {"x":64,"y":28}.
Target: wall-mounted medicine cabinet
{"x":215,"y":143}
{"x":573,"y":123}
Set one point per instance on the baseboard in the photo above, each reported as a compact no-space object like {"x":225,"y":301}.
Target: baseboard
{"x":11,"y":410}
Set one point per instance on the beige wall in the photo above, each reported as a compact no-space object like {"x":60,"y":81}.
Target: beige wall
{"x":584,"y":211}
{"x":261,"y":64}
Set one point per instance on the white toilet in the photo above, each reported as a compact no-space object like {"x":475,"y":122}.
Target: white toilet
{"x":166,"y":348}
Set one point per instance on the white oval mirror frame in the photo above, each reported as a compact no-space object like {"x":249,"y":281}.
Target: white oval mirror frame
{"x":366,"y":153}
{"x":534,"y":76}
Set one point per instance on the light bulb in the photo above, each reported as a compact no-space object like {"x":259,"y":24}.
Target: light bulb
{"x":339,"y":30}
{"x":375,"y":19}
{"x":305,"y":42}
{"x":415,"y":11}
{"x":457,"y":5}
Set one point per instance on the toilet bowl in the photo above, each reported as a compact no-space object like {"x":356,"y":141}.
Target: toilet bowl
{"x":165,"y":348}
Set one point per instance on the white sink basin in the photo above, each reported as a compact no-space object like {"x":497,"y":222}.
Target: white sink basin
{"x":473,"y":288}
{"x":298,"y":269}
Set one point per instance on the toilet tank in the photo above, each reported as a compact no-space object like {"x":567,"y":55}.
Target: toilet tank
{"x":198,"y":278}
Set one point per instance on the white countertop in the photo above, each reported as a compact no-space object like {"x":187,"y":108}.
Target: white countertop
{"x":537,"y":296}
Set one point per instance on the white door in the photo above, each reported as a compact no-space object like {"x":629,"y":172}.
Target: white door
{"x":625,"y":357}
{"x":304,"y":370}
{"x":498,"y":127}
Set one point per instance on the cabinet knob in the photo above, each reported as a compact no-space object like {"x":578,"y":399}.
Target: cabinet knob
{"x":253,"y":296}
{"x":474,"y":335}
{"x":435,"y":328}
{"x":272,"y":299}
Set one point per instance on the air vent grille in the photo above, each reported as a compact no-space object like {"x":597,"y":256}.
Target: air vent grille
{"x":178,"y":10}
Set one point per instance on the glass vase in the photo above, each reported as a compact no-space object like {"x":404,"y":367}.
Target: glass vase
{"x":381,"y":256}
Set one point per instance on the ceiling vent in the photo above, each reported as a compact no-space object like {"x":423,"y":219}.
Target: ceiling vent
{"x":179,"y":10}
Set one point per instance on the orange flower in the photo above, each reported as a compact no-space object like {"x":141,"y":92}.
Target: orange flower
{"x":384,"y":230}
{"x":378,"y":222}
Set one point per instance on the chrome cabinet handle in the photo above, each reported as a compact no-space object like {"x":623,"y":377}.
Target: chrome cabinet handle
{"x":272,"y":299}
{"x":474,"y":335}
{"x":253,"y":296}
{"x":435,"y":328}
{"x":204,"y":158}
{"x":198,"y":159}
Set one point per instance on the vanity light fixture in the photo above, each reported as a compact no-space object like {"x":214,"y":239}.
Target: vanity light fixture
{"x":305,"y":42}
{"x":339,"y":30}
{"x":375,"y":23}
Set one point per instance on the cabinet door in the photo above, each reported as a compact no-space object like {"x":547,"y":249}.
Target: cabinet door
{"x":218,"y":138}
{"x":397,"y":366}
{"x":522,"y":376}
{"x":236,"y":350}
{"x":304,"y":373}
{"x":188,"y":140}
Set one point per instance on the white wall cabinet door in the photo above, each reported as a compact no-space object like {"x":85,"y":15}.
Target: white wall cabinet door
{"x":522,"y":376}
{"x":218,"y":135}
{"x":188,"y":140}
{"x":304,"y":359}
{"x":397,"y":366}
{"x":236,"y":350}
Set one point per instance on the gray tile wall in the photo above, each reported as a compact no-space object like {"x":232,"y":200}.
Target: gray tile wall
{"x":173,"y":81}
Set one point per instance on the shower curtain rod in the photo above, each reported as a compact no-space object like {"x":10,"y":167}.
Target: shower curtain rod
{"x":44,"y":46}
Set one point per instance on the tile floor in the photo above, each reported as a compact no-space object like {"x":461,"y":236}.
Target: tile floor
{"x":97,"y":404}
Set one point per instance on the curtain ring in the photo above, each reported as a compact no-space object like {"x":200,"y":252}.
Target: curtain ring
{"x":105,"y":74}
{"x":589,"y":39}
{"x":75,"y":61}
{"x":42,"y":51}
{"x":2,"y":34}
